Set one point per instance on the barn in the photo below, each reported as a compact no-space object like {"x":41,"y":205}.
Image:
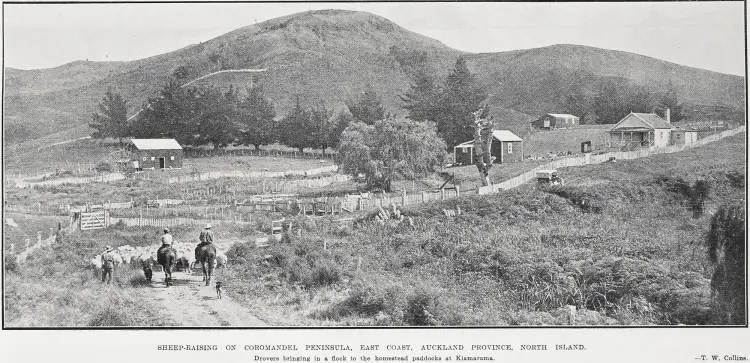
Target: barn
{"x":553,"y":121}
{"x":641,"y":130}
{"x":507,"y":147}
{"x":156,"y":154}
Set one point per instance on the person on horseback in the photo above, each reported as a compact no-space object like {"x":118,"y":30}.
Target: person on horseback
{"x":108,"y":264}
{"x":206,"y":237}
{"x":166,"y":238}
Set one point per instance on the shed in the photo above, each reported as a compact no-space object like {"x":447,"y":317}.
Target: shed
{"x":553,"y":121}
{"x":682,"y":136}
{"x":506,"y":147}
{"x":641,"y":130}
{"x":156,"y":154}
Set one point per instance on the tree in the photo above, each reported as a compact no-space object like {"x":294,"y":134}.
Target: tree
{"x":216,"y":118}
{"x":421,"y":99}
{"x":670,"y":100}
{"x":727,"y":251}
{"x":295,"y":129}
{"x":368,"y":108}
{"x":256,"y":117}
{"x":390,"y":149}
{"x":170,"y":114}
{"x":460,"y":97}
{"x":111,"y":119}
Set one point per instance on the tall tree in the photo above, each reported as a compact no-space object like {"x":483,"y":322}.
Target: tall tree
{"x":111,"y":119}
{"x":170,"y":114}
{"x":368,"y":108}
{"x":461,"y":96}
{"x":421,"y":99}
{"x":670,"y":100}
{"x":256,"y":116}
{"x":390,"y":149}
{"x":217,"y":118}
{"x":295,"y":129}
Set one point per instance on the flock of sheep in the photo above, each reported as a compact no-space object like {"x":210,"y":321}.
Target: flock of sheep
{"x":141,"y":256}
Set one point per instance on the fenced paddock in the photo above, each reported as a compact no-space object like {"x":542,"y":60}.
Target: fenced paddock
{"x":601,"y":158}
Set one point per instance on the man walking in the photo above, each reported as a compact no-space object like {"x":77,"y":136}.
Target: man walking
{"x":108,"y":264}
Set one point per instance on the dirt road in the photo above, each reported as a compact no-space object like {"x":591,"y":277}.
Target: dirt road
{"x":191,"y":303}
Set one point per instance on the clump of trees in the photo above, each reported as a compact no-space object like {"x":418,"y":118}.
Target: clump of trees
{"x":449,"y":105}
{"x":390,"y":149}
{"x":209,"y":116}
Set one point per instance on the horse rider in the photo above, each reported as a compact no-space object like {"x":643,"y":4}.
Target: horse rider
{"x":166,"y":238}
{"x":108,"y":264}
{"x":206,"y":237}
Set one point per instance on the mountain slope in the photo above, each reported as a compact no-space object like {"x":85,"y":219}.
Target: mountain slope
{"x":328,"y":56}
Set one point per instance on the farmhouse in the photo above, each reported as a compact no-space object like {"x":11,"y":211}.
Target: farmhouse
{"x":506,"y":148}
{"x":641,"y":130}
{"x":156,"y":154}
{"x":553,"y":121}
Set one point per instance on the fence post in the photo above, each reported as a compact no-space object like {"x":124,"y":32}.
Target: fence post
{"x":403,"y":197}
{"x":458,"y":191}
{"x":442,"y":193}
{"x":422,"y":196}
{"x":359,"y":203}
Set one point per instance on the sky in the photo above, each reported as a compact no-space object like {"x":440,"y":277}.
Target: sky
{"x":707,"y":35}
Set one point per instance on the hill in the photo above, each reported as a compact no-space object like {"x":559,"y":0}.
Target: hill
{"x":331,"y":55}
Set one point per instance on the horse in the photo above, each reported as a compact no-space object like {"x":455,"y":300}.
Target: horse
{"x":166,"y":256}
{"x":206,"y":254}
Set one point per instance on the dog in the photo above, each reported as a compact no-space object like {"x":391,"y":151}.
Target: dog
{"x":218,"y":289}
{"x":148,"y":272}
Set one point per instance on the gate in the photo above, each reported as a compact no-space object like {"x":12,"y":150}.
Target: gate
{"x":94,"y":220}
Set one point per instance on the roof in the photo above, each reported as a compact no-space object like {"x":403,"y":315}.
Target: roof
{"x":500,"y":135}
{"x":505,"y":135}
{"x":649,"y":120}
{"x":156,"y":144}
{"x":562,"y":115}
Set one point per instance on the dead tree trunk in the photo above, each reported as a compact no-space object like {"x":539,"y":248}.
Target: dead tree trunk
{"x":483,"y":146}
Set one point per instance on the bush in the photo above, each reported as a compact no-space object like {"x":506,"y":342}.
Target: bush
{"x":421,"y":308}
{"x":104,"y":167}
{"x":10,"y":263}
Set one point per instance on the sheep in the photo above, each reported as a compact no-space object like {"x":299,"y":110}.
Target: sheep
{"x":221,"y":260}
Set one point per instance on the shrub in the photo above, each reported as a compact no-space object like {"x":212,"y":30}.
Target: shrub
{"x":421,"y":307}
{"x":10,"y":263}
{"x":109,"y":316}
{"x":104,"y":167}
{"x":727,"y":250}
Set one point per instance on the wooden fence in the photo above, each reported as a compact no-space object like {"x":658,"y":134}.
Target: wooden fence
{"x":94,"y":220}
{"x":201,"y":153}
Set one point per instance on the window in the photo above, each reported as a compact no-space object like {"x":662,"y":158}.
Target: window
{"x":144,"y":158}
{"x":153,"y":158}
{"x":510,"y":148}
{"x":171,"y":157}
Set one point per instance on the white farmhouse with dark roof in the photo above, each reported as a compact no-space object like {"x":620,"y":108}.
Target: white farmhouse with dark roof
{"x":156,"y":154}
{"x":638,"y":130}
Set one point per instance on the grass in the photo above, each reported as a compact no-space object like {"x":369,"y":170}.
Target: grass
{"x":516,"y":258}
{"x":541,"y":142}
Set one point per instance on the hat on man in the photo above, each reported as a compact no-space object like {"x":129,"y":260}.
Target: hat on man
{"x":208,"y":226}
{"x":166,"y":230}
{"x":108,"y":248}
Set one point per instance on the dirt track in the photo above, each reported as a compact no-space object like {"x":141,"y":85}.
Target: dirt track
{"x":191,"y":303}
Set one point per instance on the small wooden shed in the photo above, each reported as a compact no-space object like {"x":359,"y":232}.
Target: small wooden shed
{"x":156,"y":154}
{"x":507,"y":147}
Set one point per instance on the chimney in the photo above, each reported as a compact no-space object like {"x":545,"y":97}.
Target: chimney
{"x":666,"y":115}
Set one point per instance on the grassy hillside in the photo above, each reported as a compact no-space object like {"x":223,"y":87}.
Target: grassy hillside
{"x":516,"y":258}
{"x":331,"y":55}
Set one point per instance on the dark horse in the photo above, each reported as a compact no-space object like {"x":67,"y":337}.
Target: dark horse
{"x":206,"y":255}
{"x":166,"y":256}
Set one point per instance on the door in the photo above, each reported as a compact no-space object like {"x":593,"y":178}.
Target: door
{"x":162,"y":163}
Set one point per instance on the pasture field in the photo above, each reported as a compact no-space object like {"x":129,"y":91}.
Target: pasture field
{"x":19,"y":227}
{"x":515,"y":258}
{"x":541,"y":142}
